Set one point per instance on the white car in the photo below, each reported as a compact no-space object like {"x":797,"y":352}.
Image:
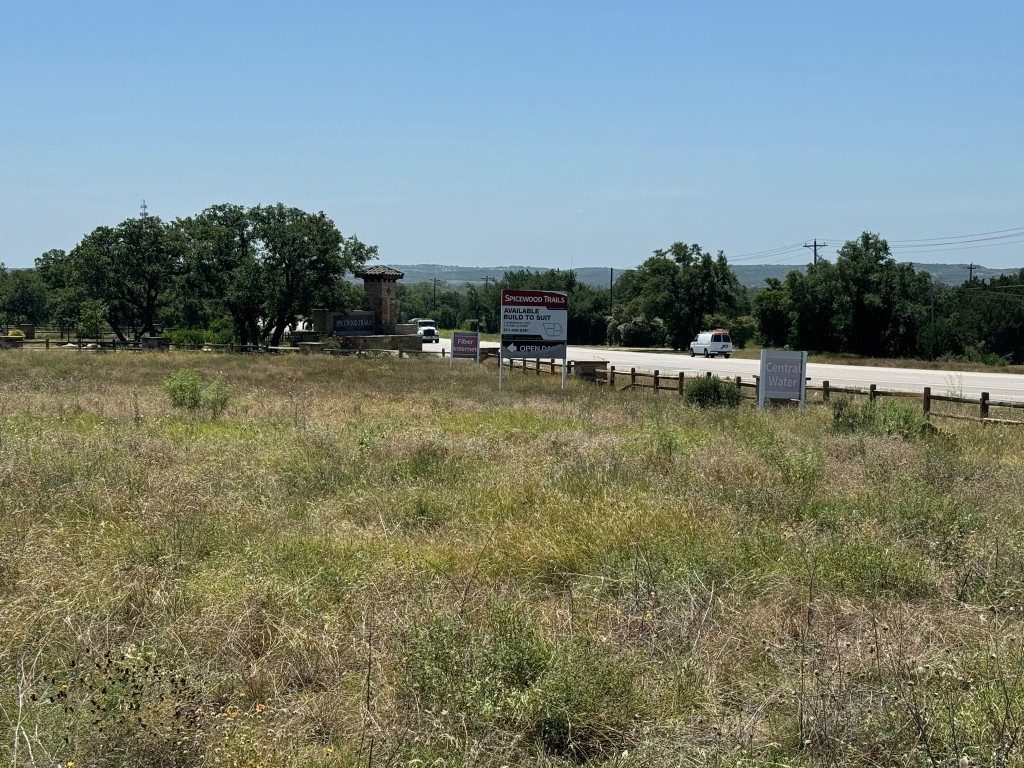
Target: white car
{"x":711,"y":343}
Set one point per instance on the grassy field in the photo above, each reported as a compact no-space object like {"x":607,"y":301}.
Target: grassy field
{"x":388,"y":562}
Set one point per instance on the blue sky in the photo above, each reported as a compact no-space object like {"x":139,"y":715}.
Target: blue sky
{"x":549,"y":134}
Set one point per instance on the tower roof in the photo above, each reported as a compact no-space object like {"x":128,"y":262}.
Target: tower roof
{"x":380,"y":272}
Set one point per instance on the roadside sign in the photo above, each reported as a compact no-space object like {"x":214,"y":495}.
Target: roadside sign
{"x":534,"y":323}
{"x":465,"y":346}
{"x":783,"y":376}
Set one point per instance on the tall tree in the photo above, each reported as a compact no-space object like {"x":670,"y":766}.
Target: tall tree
{"x":303,"y":255}
{"x":677,"y":288}
{"x":129,"y":268}
{"x":24,"y":297}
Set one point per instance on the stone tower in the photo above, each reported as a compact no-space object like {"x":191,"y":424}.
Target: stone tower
{"x":380,"y":283}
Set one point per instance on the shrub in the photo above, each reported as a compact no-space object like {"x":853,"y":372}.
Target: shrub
{"x":185,"y":390}
{"x":878,"y":417}
{"x":741,"y":329}
{"x":639,"y":331}
{"x":712,"y":392}
{"x":16,"y":332}
{"x":584,"y":705}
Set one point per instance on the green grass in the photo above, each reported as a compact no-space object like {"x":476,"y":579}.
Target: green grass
{"x":388,"y":562}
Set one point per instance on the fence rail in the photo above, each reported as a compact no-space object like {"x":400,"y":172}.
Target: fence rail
{"x":821,"y":394}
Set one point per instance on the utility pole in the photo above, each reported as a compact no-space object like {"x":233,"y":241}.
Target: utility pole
{"x":970,"y":271}
{"x":611,"y":302}
{"x":611,"y":290}
{"x":433,"y":301}
{"x":816,"y":246}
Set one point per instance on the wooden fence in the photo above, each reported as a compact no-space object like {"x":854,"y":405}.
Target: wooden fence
{"x":821,"y":394}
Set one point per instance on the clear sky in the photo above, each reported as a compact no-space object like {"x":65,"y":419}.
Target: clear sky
{"x":544,"y":133}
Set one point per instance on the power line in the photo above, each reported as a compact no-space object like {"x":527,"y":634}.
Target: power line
{"x":960,"y":237}
{"x":992,"y":239}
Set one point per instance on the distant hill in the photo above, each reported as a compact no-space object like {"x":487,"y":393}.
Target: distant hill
{"x":750,"y":275}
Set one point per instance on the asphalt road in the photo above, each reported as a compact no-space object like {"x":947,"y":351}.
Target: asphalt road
{"x":1000,"y":386}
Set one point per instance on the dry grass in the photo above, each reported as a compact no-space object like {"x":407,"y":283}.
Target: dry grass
{"x":382,"y":562}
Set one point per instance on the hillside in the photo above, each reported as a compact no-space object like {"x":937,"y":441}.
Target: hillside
{"x":750,"y":275}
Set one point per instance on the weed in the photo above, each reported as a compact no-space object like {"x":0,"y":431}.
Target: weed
{"x":185,"y":390}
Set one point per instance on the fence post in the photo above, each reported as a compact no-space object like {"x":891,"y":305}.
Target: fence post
{"x":611,"y":376}
{"x":47,"y":343}
{"x":708,"y":374}
{"x":444,"y":352}
{"x":632,"y":377}
{"x":655,"y":381}
{"x":926,"y":403}
{"x":984,"y":405}
{"x":824,"y":392}
{"x":681,"y":387}
{"x":871,"y":392}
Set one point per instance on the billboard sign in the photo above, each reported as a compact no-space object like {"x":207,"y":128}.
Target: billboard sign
{"x":534,"y":323}
{"x":465,"y":346}
{"x":783,"y":376}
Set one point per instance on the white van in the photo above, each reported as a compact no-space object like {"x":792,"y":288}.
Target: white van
{"x":711,"y":343}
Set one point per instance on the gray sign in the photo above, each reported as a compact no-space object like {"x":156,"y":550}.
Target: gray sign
{"x":783,"y":376}
{"x":357,"y":323}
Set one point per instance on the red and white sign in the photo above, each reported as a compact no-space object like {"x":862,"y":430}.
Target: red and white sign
{"x":534,"y":323}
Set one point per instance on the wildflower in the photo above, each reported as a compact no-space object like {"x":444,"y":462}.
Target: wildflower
{"x":329,"y":750}
{"x":70,"y":764}
{"x":261,"y":708}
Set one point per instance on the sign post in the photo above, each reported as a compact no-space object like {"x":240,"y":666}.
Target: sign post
{"x":783,"y":377}
{"x":465,"y":346}
{"x":534,"y":325}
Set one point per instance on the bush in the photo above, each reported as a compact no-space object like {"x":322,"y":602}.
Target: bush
{"x":16,"y":332}
{"x":712,"y":392}
{"x":640,"y":331}
{"x":585,"y":704}
{"x":185,"y":390}
{"x":877,"y":417}
{"x":742,"y":329}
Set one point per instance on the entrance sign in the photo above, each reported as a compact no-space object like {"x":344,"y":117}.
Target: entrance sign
{"x":357,"y":323}
{"x":783,"y":376}
{"x":534,"y":324}
{"x":465,"y":346}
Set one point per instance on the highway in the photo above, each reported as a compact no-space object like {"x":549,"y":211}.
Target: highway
{"x":1000,"y":386}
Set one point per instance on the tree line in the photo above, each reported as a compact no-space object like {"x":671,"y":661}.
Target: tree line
{"x":244,"y":275}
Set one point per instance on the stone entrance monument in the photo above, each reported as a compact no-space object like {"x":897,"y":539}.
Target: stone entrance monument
{"x":380,"y":284}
